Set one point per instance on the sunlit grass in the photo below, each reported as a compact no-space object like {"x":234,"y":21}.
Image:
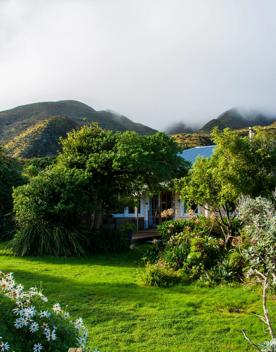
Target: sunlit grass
{"x":122,"y":315}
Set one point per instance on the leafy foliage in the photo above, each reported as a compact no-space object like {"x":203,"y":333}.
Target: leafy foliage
{"x":110,"y":240}
{"x":96,"y":170}
{"x":190,"y":247}
{"x":121,"y":165}
{"x":238,"y":166}
{"x":10,"y":176}
{"x":48,"y":211}
{"x":159,"y":275}
{"x":199,"y":224}
{"x":28,"y":323}
{"x":33,"y":167}
{"x":259,"y":217}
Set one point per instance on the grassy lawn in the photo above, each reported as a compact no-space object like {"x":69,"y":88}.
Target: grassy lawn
{"x":122,"y":315}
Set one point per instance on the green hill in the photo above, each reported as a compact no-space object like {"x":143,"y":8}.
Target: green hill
{"x":34,"y":130}
{"x":237,"y":119}
{"x":42,"y":138}
{"x":15,"y":121}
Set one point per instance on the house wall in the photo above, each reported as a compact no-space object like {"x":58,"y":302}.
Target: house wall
{"x":145,"y":214}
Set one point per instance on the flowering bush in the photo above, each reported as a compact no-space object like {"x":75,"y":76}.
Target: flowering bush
{"x":195,"y":248}
{"x":28,"y":323}
{"x":167,"y":213}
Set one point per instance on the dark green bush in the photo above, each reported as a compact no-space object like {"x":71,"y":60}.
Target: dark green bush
{"x":177,"y":250}
{"x":109,"y":240}
{"x":49,"y":211}
{"x":42,"y":239}
{"x":204,"y":250}
{"x":160,"y":275}
{"x":172,"y":227}
{"x":194,"y":248}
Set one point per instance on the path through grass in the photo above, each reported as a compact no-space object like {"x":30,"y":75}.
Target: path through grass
{"x":122,"y":315}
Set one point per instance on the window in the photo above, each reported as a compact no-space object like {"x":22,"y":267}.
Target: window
{"x":166,"y":200}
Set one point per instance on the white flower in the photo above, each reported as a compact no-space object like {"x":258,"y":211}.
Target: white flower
{"x":37,"y":347}
{"x":56,"y":308}
{"x":53,"y":334}
{"x":34,"y":327}
{"x":47,"y":332}
{"x":78,"y":323}
{"x":20,"y":322}
{"x":29,"y":312}
{"x":44,"y":314}
{"x":4,"y":346}
{"x":66,"y":315}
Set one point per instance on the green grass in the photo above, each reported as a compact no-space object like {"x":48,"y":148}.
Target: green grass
{"x":122,"y":315}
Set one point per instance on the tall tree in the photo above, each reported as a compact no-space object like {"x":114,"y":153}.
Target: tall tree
{"x":121,"y":164}
{"x":239,"y":165}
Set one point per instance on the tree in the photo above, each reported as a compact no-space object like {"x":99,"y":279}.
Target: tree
{"x":238,"y":166}
{"x":259,"y":219}
{"x":10,"y":176}
{"x":121,"y":165}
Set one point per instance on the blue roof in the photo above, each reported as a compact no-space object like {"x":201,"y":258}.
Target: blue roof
{"x":192,"y":153}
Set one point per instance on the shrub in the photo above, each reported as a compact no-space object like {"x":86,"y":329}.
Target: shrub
{"x":48,"y":213}
{"x":172,"y":227}
{"x":204,"y":250}
{"x":230,"y":269}
{"x":199,"y":224}
{"x":259,"y":218}
{"x":196,"y":248}
{"x":188,"y":251}
{"x":190,"y":247}
{"x":160,"y":275}
{"x":109,"y":240}
{"x":40,"y":238}
{"x":10,"y":176}
{"x":28,"y":323}
{"x":177,"y":250}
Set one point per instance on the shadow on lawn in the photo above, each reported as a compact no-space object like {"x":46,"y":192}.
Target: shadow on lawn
{"x":97,"y":302}
{"x":130,"y":259}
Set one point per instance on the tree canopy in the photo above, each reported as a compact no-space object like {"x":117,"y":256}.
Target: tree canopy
{"x":121,"y":164}
{"x":239,"y":165}
{"x":96,"y":170}
{"x":10,"y":176}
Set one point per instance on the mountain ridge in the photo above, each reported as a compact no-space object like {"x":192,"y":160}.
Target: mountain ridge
{"x":234,"y":118}
{"x":14,"y":121}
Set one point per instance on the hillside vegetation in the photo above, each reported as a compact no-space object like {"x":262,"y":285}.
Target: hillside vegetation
{"x":42,"y":138}
{"x":190,"y":140}
{"x":236,"y":119}
{"x":34,"y":129}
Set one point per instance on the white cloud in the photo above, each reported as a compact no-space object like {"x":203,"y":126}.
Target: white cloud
{"x":154,"y":61}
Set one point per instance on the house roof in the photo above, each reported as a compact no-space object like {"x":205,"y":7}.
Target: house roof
{"x":192,"y":153}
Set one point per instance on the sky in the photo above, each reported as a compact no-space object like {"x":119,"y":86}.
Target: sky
{"x":155,"y":61}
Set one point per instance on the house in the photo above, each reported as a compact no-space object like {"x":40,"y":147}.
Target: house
{"x":165,"y":205}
